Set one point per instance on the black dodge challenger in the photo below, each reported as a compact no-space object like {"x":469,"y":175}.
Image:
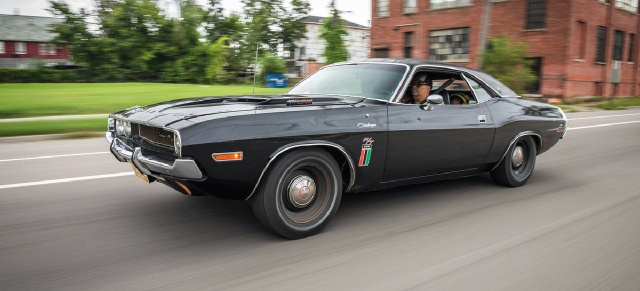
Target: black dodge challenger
{"x":345,"y":128}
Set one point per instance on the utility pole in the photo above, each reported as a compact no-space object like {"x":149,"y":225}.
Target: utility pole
{"x":484,"y":32}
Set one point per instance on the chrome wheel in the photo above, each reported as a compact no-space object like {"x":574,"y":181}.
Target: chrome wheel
{"x":302,"y":190}
{"x":300,"y":195}
{"x":518,"y":156}
{"x":517,"y":166}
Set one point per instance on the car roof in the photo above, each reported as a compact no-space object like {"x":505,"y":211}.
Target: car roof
{"x":496,"y":85}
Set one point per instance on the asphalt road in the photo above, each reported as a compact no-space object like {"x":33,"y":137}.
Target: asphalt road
{"x":574,"y":226}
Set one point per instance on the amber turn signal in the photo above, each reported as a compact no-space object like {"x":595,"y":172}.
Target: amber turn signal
{"x":223,"y":157}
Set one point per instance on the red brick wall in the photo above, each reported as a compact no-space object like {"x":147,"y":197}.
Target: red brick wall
{"x":563,"y":73}
{"x":33,"y":51}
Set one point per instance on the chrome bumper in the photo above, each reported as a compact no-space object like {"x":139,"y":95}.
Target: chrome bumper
{"x":185,"y":168}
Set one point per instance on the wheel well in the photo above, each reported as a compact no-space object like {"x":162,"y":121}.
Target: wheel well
{"x":345,"y":168}
{"x":538,"y":141}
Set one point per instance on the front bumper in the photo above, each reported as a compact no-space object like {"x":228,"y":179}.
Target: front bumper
{"x":183,"y":168}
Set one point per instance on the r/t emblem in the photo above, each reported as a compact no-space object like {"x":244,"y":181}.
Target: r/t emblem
{"x":365,"y":154}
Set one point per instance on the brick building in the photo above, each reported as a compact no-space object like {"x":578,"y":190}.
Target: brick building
{"x":25,"y":42}
{"x":579,"y":47}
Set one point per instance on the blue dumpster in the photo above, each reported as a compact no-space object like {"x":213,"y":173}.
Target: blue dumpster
{"x":276,"y":81}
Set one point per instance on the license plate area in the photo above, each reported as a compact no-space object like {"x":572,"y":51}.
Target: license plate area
{"x":139,"y":174}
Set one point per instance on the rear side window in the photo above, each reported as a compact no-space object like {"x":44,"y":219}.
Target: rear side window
{"x":481,"y":93}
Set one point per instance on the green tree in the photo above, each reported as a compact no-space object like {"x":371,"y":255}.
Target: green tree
{"x":507,"y":61}
{"x":332,"y":32}
{"x":271,"y":64}
{"x":218,"y":25}
{"x":271,"y":23}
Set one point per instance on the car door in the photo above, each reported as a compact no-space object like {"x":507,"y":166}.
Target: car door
{"x":423,"y":143}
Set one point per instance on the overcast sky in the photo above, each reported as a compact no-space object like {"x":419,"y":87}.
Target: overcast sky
{"x":358,"y":11}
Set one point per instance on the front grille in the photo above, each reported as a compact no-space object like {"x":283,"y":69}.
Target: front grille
{"x":157,"y":136}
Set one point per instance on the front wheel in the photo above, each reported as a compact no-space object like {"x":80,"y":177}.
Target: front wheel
{"x":517,"y":166}
{"x":299,"y":194}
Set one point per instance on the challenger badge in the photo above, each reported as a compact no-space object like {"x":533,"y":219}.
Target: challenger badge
{"x":365,"y":154}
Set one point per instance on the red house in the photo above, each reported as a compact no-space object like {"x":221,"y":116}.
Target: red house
{"x":25,"y":42}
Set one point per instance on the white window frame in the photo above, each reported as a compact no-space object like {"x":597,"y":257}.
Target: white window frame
{"x":2,"y":49}
{"x":409,"y":6}
{"x":52,"y":49}
{"x":446,"y":4}
{"x":42,"y":49}
{"x":21,"y":48}
{"x":383,"y":8}
{"x":627,"y":5}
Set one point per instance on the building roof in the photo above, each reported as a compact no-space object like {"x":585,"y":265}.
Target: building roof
{"x":320,"y":20}
{"x":26,"y":28}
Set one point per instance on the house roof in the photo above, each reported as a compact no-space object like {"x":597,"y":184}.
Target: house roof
{"x":320,"y":20}
{"x":26,"y":28}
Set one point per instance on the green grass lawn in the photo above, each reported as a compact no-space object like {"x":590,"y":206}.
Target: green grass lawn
{"x":35,"y":99}
{"x":619,"y":103}
{"x":52,"y":126}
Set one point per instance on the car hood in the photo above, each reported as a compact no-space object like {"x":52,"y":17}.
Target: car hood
{"x":167,"y":113}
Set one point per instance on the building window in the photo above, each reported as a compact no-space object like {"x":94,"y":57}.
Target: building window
{"x":383,"y":8}
{"x":627,"y":5}
{"x":408,"y":44}
{"x":618,"y":45}
{"x":21,"y":48}
{"x":602,"y":37}
{"x":449,"y":44}
{"x":409,"y":6}
{"x":381,"y":53}
{"x":632,"y":41}
{"x":582,"y":34}
{"x":536,"y":14}
{"x":2,"y":51}
{"x":444,"y":4}
{"x":45,"y":49}
{"x":605,"y":1}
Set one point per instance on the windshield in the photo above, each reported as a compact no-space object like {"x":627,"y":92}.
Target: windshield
{"x":378,"y":81}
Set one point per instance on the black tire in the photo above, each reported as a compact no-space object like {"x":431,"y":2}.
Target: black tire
{"x":513,"y":171}
{"x":292,"y":216}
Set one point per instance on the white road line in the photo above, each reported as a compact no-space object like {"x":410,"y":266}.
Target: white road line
{"x":604,"y":116}
{"x":58,"y":181}
{"x":51,"y":157}
{"x":603,"y":125}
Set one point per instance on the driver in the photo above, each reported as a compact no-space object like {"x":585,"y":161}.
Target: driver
{"x":420,"y":89}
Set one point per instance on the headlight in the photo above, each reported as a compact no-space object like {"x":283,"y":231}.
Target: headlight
{"x":111,"y":124}
{"x":127,"y":128}
{"x":177,"y":143}
{"x":120,"y":127}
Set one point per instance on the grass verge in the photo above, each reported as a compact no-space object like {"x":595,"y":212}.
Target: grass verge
{"x":618,"y":103}
{"x":43,"y":99}
{"x":76,"y":126}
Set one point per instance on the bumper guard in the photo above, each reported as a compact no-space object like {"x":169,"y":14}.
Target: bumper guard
{"x":185,"y":168}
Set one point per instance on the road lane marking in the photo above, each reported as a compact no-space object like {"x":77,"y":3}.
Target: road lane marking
{"x":51,"y":157}
{"x":66,"y":180}
{"x":602,"y":125}
{"x":604,"y":116}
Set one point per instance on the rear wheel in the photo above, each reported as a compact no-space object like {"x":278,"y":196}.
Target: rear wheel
{"x":299,"y":194}
{"x":517,"y":166}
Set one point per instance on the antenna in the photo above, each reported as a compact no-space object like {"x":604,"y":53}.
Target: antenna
{"x":255,"y":70}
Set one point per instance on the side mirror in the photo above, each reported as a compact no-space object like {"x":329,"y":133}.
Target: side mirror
{"x":435,"y":99}
{"x":432,"y":99}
